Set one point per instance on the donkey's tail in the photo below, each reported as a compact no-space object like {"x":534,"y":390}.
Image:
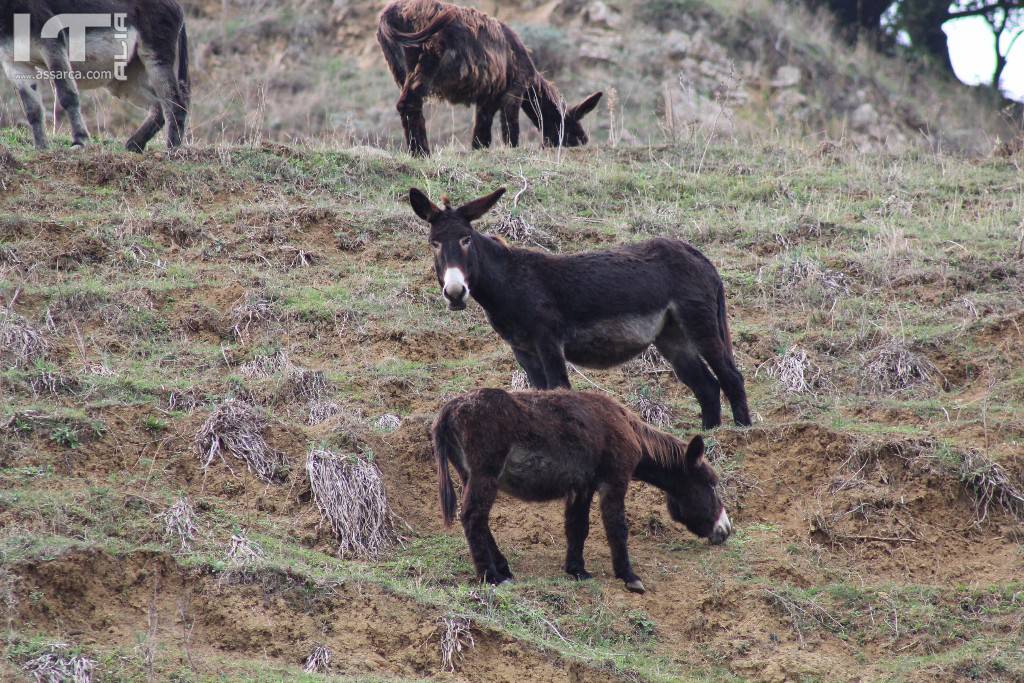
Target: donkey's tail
{"x":445,"y":446}
{"x":184,"y":80}
{"x":389,"y":33}
{"x":723,"y":321}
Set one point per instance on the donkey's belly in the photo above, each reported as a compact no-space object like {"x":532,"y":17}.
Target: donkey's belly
{"x":611,"y":342}
{"x":544,"y":475}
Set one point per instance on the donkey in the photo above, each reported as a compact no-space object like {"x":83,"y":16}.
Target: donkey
{"x":596,"y":309}
{"x":141,"y":55}
{"x":461,"y":55}
{"x":545,"y":445}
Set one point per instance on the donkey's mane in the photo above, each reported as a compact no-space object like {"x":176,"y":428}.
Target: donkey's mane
{"x":662,"y":448}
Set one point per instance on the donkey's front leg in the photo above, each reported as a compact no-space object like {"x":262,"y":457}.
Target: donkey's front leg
{"x":613,"y":514}
{"x":534,"y":370}
{"x":552,"y":360}
{"x":32,"y":102}
{"x":477,"y":499}
{"x":577,"y":528}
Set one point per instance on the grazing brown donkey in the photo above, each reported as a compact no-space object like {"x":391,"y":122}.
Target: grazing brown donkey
{"x":545,"y":445}
{"x":596,"y":309}
{"x":461,"y":55}
{"x":141,"y":56}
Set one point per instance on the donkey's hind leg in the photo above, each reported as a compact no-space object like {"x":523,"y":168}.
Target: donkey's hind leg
{"x":150,"y":127}
{"x":67,"y":91}
{"x":410,"y":102}
{"x":482,"y":126}
{"x":510,"y":120}
{"x":172,"y":99}
{"x":720,"y":360}
{"x":692,"y":372}
{"x":477,"y":498}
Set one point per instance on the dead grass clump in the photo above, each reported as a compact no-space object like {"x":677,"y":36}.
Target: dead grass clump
{"x":650,"y":362}
{"x":322,"y":411}
{"x":796,"y":372}
{"x":243,"y":551}
{"x":265,"y":366}
{"x":252,"y":309}
{"x":180,"y":524}
{"x":456,"y":639}
{"x":237,"y":428}
{"x":21,"y":343}
{"x":10,"y":584}
{"x":519,"y":381}
{"x":804,"y":612}
{"x":791,"y":276}
{"x":306,"y":385}
{"x":891,"y":368}
{"x":518,"y":229}
{"x":990,"y":484}
{"x":388,"y":423}
{"x":651,"y":409}
{"x":349,"y":491}
{"x":319,"y":660}
{"x":59,"y":665}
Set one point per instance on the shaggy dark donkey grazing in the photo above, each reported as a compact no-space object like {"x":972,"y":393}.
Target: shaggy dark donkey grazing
{"x":596,"y":309}
{"x":142,"y":57}
{"x":461,"y":55}
{"x":545,"y":445}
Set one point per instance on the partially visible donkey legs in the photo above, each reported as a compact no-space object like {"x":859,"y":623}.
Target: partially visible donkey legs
{"x":32,"y":102}
{"x":169,"y":92}
{"x":410,"y":103}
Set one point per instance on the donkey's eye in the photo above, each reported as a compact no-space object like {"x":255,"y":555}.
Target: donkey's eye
{"x":465,"y":242}
{"x":436,"y":246}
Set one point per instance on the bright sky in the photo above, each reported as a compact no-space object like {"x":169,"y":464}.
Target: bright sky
{"x":973,"y":55}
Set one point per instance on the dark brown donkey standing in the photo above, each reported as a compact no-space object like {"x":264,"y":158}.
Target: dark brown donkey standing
{"x":545,"y":445}
{"x":461,"y":55}
{"x":143,"y":59}
{"x":596,"y":309}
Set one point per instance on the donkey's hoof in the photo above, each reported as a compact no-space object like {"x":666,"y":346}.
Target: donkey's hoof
{"x":635,"y":586}
{"x":133,"y":146}
{"x":77,"y":145}
{"x":581,"y":575}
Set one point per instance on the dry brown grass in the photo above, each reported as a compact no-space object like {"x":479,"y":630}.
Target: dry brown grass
{"x":319,"y":660}
{"x":892,"y":368}
{"x":456,"y":639}
{"x":21,"y":343}
{"x":179,"y":522}
{"x":58,"y":665}
{"x":797,"y":372}
{"x":349,"y":492}
{"x":237,"y":428}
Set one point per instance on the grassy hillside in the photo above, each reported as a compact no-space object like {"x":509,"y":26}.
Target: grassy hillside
{"x":876,"y":309}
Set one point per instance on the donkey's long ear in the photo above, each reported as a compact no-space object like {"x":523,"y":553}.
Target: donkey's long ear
{"x":695,"y":451}
{"x":478,"y":207}
{"x":586,"y":106}
{"x":423,"y":207}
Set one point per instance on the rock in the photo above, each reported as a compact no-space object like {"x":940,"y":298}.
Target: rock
{"x":677,"y":44}
{"x":787,"y":101}
{"x":786,"y":76}
{"x":864,"y":117}
{"x":599,"y":14}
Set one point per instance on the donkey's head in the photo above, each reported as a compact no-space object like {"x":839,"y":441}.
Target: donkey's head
{"x":565,"y":129}
{"x":454,"y":242}
{"x":693,"y":501}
